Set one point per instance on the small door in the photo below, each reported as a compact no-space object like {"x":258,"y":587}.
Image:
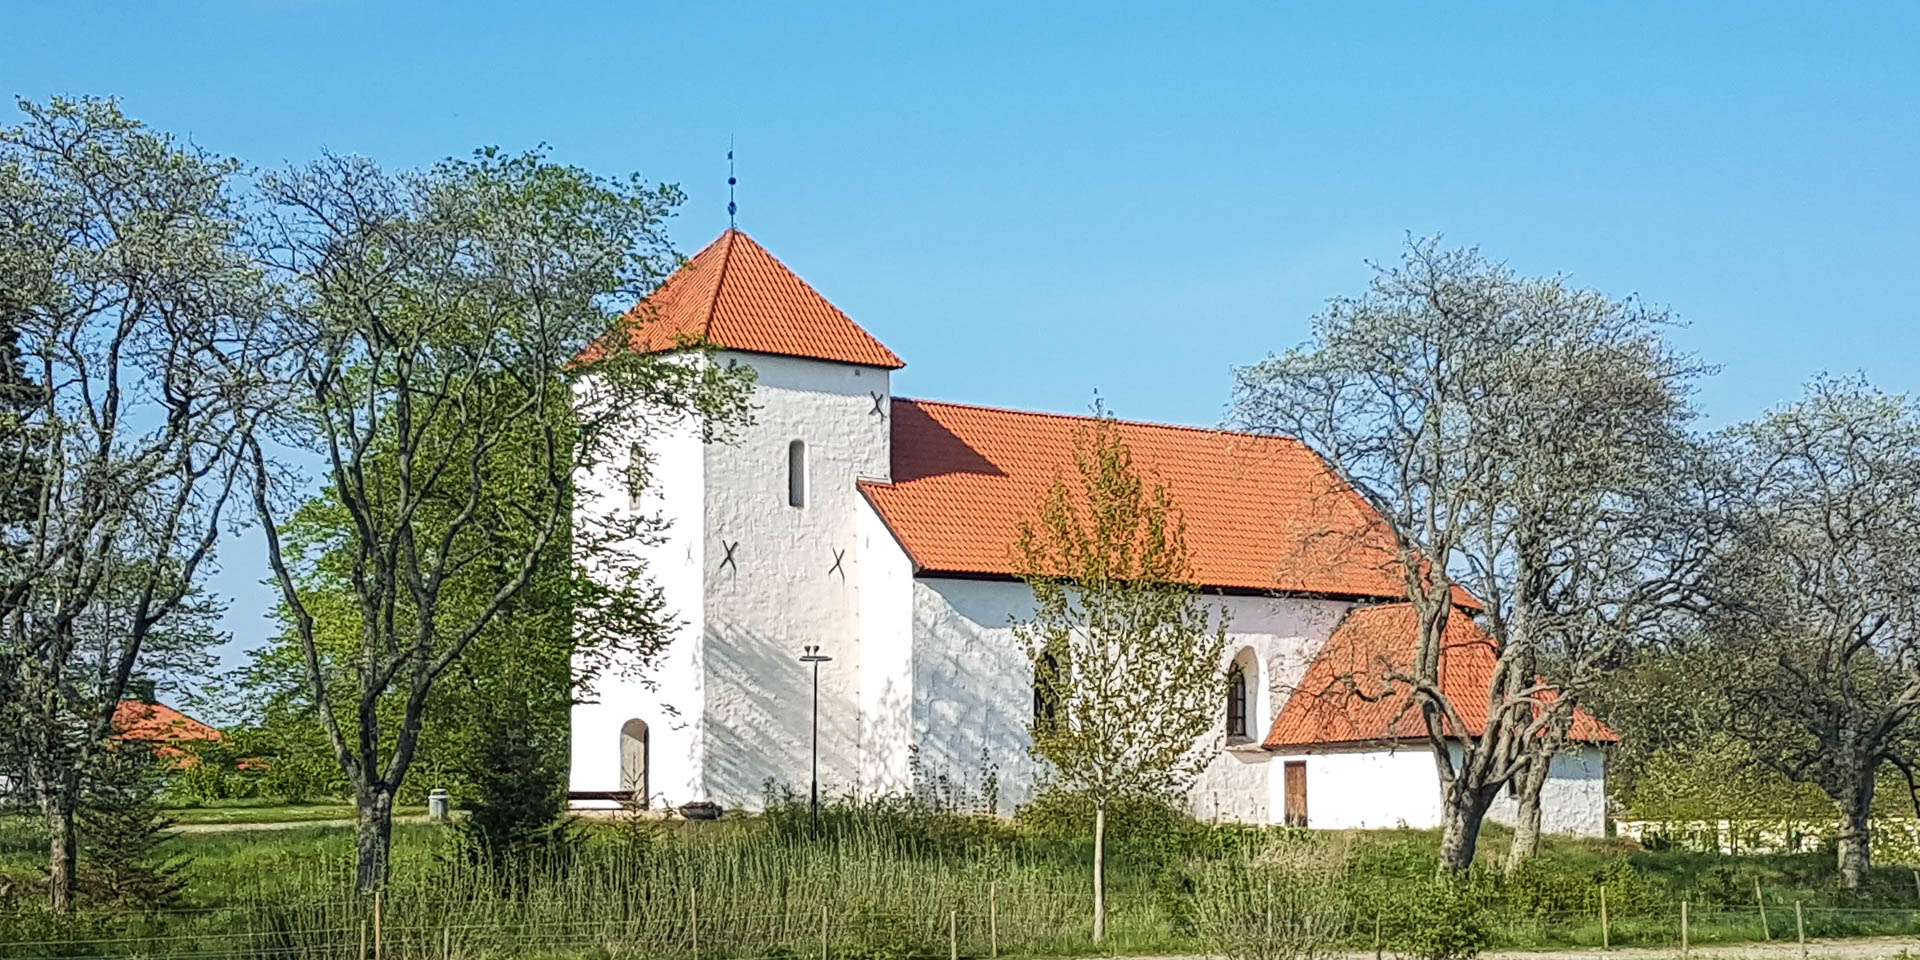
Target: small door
{"x":1296,"y":772}
{"x":633,"y":760}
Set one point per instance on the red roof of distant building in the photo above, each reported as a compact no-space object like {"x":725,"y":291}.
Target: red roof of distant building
{"x":736,"y":295}
{"x":1345,"y":698}
{"x":1262,"y":512}
{"x":157,"y":723}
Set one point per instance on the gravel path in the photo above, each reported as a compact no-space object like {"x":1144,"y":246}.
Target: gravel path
{"x":1861,"y":948}
{"x":284,"y":824}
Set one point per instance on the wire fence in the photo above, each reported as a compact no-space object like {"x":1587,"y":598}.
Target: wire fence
{"x":425,"y":930}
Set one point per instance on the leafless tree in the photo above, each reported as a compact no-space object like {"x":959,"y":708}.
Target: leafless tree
{"x":439,"y":319}
{"x":134,"y":306}
{"x":1498,"y":427}
{"x":1816,"y":632}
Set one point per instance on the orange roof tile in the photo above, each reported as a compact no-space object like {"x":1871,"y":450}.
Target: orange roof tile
{"x":736,"y":295}
{"x":1260,"y":510}
{"x":1373,"y":642}
{"x":157,"y":723}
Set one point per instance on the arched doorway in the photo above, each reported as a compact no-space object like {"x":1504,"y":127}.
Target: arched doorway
{"x":633,"y":760}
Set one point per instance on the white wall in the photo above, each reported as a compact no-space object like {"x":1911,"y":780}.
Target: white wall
{"x":669,"y":696}
{"x":886,"y":658}
{"x":781,"y":591}
{"x":973,"y":692}
{"x":1364,"y":788}
{"x":1372,"y":787}
{"x":1574,"y":798}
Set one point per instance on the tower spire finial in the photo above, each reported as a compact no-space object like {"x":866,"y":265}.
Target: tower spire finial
{"x":732,"y":208}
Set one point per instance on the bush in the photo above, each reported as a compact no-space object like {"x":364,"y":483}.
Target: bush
{"x":1283,"y":903}
{"x":1444,"y":919}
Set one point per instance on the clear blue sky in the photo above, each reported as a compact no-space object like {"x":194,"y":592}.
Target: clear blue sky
{"x":1028,"y":201}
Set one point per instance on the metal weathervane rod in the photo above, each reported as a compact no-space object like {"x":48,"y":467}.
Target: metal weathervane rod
{"x":732,"y":208}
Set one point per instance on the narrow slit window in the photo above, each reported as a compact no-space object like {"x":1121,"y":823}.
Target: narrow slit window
{"x":1237,"y":703}
{"x":1046,"y":696}
{"x":797,"y":473}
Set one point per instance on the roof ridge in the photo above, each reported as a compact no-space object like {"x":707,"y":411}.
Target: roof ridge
{"x":1086,"y":418}
{"x":719,"y":283}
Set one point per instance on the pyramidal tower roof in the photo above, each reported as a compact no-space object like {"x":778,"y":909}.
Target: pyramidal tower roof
{"x":736,"y":295}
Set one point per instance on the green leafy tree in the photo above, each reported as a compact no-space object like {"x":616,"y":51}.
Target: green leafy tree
{"x":454,"y":347}
{"x":1127,"y":659}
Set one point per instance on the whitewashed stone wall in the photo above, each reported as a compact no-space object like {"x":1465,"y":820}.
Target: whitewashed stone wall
{"x":973,"y":688}
{"x":886,"y":658}
{"x":1574,"y":798}
{"x":670,"y":696}
{"x":1373,"y":787}
{"x":782,"y":591}
{"x":1363,"y":788}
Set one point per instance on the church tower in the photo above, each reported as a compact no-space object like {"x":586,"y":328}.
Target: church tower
{"x":761,"y":557}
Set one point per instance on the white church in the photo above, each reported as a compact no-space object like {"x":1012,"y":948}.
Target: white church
{"x":881,"y":529}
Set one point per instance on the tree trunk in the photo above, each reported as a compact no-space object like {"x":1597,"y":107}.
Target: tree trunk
{"x":1526,"y":821}
{"x":373,"y":838}
{"x":1856,"y":835}
{"x":63,"y":855}
{"x":1099,"y":872}
{"x":1462,"y":812}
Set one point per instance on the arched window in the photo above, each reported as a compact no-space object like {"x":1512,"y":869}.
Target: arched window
{"x":1046,"y":696}
{"x":797,"y":473}
{"x":1236,"y":702}
{"x":633,"y":760}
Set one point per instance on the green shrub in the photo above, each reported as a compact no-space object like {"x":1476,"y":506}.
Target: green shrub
{"x":1283,"y":902}
{"x":1445,"y":919}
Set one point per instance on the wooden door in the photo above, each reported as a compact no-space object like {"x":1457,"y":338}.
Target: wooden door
{"x":633,"y":760}
{"x":1296,"y":772}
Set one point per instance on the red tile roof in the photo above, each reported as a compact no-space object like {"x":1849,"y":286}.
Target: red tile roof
{"x":1373,"y":642}
{"x":736,"y":295}
{"x":1262,"y":513}
{"x":157,"y":723}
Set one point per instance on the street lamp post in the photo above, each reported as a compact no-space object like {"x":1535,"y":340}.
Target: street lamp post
{"x":813,"y":655}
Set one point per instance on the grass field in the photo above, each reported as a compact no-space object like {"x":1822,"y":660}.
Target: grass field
{"x":894,"y":884}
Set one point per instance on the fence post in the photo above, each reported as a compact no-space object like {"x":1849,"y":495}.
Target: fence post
{"x":1686,"y":949}
{"x":1800,"y":925}
{"x":823,"y":932}
{"x":1916,"y":881}
{"x":1761,"y":902}
{"x":1376,"y":937}
{"x":693,"y":919}
{"x":363,"y":938}
{"x":953,"y":935}
{"x":379,"y":947}
{"x":1606,"y":935}
{"x":446,"y":942}
{"x":993,"y":920}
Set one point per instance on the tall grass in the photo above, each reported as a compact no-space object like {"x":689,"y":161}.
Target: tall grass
{"x":892,"y":882}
